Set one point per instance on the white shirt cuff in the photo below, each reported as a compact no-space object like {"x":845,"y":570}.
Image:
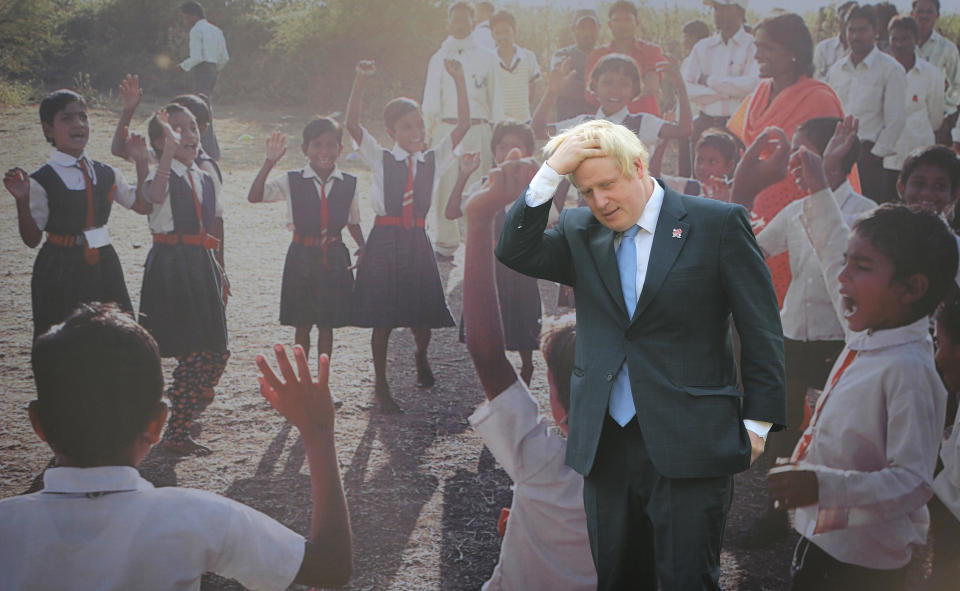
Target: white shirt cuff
{"x":543,"y":185}
{"x":761,"y":428}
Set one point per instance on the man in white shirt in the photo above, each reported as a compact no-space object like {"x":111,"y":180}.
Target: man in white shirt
{"x":924,"y":99}
{"x":483,"y":32}
{"x":208,"y":55}
{"x":439,"y":108}
{"x":943,"y":53}
{"x":872,"y":87}
{"x":518,"y":72}
{"x":830,"y":50}
{"x":720,"y":70}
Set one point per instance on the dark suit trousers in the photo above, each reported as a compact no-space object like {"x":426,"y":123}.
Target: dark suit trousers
{"x":646,"y":528}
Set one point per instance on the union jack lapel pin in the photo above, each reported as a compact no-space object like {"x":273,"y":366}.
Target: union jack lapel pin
{"x":678,"y":232}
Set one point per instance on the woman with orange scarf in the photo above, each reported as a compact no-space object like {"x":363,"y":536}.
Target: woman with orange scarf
{"x":786,"y":97}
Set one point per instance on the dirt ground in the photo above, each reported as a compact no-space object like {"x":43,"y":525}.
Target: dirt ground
{"x":424,"y":494}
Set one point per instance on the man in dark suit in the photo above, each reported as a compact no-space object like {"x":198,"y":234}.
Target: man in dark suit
{"x":658,"y":425}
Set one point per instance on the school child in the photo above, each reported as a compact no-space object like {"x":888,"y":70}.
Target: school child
{"x":96,"y":524}
{"x":518,"y":72}
{"x":614,"y":81}
{"x":317,"y":286}
{"x":519,"y":294}
{"x":930,"y":179}
{"x":861,"y":474}
{"x":716,"y":156}
{"x":398,"y":284}
{"x":945,"y":504}
{"x":70,"y":198}
{"x":181,"y":302}
{"x":545,"y":543}
{"x":130,"y":96}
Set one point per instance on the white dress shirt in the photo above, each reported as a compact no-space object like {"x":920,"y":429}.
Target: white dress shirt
{"x":924,"y":101}
{"x":514,"y":83}
{"x":371,"y":152}
{"x":874,"y":445}
{"x":107,"y":528}
{"x":808,"y":313}
{"x":68,"y":169}
{"x":483,"y":36}
{"x":825,"y":54}
{"x":874,"y":92}
{"x":541,"y":189}
{"x":943,"y":53}
{"x":440,"y":92}
{"x":729,"y":69}
{"x":160,"y":219}
{"x":278,"y":189}
{"x":546,"y":545}
{"x":207,"y":44}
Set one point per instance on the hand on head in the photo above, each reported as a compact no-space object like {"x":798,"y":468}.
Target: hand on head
{"x":574,"y":150}
{"x":306,"y":403}
{"x":276,"y":146}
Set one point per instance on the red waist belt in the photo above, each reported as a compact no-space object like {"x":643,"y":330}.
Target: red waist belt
{"x":65,"y":240}
{"x":397,"y":221}
{"x":204,"y":240}
{"x":314,"y":240}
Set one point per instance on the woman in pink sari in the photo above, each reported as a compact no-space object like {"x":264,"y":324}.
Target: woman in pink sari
{"x":786,"y":97}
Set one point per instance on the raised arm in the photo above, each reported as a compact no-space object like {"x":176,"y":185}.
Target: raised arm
{"x":469,"y":163}
{"x":130,"y":95}
{"x":308,"y":405}
{"x":455,"y":69}
{"x":276,"y":148}
{"x":136,"y":150}
{"x":560,"y":76}
{"x":17,"y":181}
{"x":364,"y":71}
{"x":682,"y":128}
{"x":763,"y":164}
{"x":157,"y":192}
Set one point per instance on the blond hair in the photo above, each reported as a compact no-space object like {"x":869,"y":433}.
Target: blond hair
{"x":616,"y":142}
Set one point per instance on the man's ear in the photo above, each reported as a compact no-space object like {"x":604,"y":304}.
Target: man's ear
{"x":917,"y":286}
{"x":33,"y":409}
{"x":155,"y":427}
{"x":641,"y":168}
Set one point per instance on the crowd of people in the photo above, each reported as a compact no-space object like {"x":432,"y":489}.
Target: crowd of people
{"x":841,"y":158}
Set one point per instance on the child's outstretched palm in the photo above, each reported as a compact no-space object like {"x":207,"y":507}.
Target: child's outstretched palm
{"x":170,"y":136}
{"x":130,"y":92}
{"x":306,"y":403}
{"x":136,"y":146}
{"x":561,"y":75}
{"x":276,"y":147}
{"x":469,"y":163}
{"x":17,"y":181}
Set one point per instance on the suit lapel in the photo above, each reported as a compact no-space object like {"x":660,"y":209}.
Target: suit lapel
{"x":601,"y":247}
{"x":668,"y":239}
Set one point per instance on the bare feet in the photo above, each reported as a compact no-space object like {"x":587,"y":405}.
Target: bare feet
{"x":425,"y":377}
{"x":184,"y":447}
{"x":385,"y":401}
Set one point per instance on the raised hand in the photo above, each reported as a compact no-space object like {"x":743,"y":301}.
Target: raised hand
{"x":136,"y":146}
{"x":366,"y":68}
{"x":17,"y":181}
{"x":560,"y":76}
{"x":130,"y":92}
{"x":469,"y":163}
{"x":454,"y":67}
{"x":716,"y":188}
{"x":574,"y":150}
{"x":766,"y":158}
{"x":670,"y":70}
{"x":306,"y":403}
{"x":807,"y":170}
{"x":843,"y":140}
{"x":170,"y":136}
{"x":276,"y":147}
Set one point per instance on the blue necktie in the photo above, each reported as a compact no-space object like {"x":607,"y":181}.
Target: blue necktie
{"x":622,"y":408}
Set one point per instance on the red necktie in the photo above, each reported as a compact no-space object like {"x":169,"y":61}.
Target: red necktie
{"x":323,"y":221}
{"x":408,"y":196}
{"x":196,"y":202}
{"x":801,"y":450}
{"x":91,"y":255}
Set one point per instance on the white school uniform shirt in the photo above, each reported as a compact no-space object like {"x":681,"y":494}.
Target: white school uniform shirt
{"x":278,"y":189}
{"x":541,"y":189}
{"x":440,"y":93}
{"x":207,"y":167}
{"x":546,"y":545}
{"x":107,"y":528}
{"x":649,"y":131}
{"x":160,"y":219}
{"x":808,"y":313}
{"x":947,"y":483}
{"x":943,"y":53}
{"x":924,"y":108}
{"x":371,"y":152}
{"x":68,"y":169}
{"x":514,"y":83}
{"x":874,"y":92}
{"x":207,"y":44}
{"x":483,"y":36}
{"x":730,"y":70}
{"x":874,"y":445}
{"x":825,"y":54}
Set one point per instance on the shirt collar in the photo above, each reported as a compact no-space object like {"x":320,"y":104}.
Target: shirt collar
{"x":618,"y":117}
{"x":651,"y":211}
{"x":451,"y":43}
{"x":180,"y":169}
{"x":873,"y":340}
{"x":401,"y":155}
{"x":93,"y":480}
{"x":867,"y":61}
{"x":738,"y":38}
{"x":68,"y":161}
{"x":309,"y":173}
{"x":513,"y":63}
